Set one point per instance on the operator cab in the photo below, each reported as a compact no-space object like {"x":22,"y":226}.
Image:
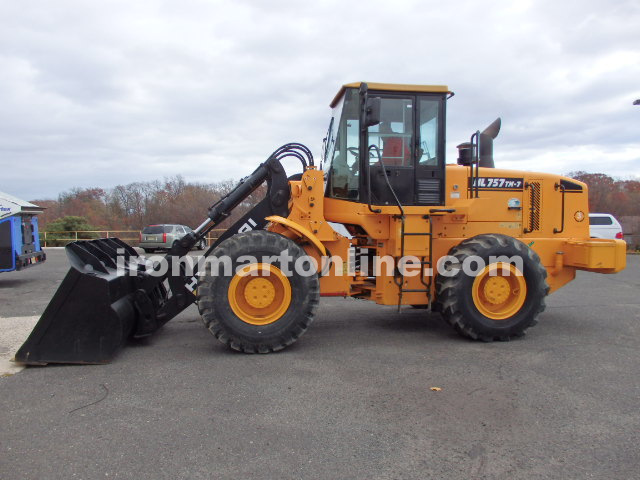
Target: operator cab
{"x":400,"y":151}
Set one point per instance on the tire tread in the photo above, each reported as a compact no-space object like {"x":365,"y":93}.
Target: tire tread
{"x":255,"y":240}
{"x":449,"y":289}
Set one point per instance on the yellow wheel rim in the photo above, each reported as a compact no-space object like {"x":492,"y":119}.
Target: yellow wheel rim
{"x":499,"y":291}
{"x":259,"y":294}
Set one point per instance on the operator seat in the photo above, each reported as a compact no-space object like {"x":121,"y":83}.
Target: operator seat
{"x":395,"y":150}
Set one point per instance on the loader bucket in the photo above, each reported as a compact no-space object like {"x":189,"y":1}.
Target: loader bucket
{"x":92,"y":314}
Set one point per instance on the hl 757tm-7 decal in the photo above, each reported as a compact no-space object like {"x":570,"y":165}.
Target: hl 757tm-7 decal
{"x":497,"y":183}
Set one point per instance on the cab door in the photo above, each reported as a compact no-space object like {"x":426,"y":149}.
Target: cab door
{"x":409,"y":146}
{"x":392,"y":151}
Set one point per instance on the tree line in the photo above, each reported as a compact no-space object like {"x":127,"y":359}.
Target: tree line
{"x":135,"y":205}
{"x":609,"y":195}
{"x":174,"y":200}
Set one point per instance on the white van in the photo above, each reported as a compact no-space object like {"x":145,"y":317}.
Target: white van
{"x":604,"y":225}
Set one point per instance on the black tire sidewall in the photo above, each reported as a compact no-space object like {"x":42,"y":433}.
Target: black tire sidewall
{"x":536,"y":291}
{"x":301,"y":289}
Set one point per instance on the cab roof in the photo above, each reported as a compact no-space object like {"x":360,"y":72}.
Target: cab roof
{"x":392,"y":87}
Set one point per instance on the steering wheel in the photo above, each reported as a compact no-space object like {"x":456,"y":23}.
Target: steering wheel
{"x":356,"y":152}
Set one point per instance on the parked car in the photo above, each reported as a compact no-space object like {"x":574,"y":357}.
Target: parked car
{"x":604,"y":225}
{"x":161,"y":237}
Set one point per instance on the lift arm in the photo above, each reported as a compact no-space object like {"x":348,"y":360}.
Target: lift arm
{"x":275,"y":203}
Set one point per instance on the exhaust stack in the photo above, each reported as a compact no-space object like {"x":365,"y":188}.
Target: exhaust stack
{"x":486,"y":143}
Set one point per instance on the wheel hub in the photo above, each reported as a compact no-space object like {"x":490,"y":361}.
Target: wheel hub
{"x":259,"y":292}
{"x":496,"y":290}
{"x":499,"y":291}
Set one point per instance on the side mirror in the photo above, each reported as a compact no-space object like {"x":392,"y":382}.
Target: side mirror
{"x":372,"y":112}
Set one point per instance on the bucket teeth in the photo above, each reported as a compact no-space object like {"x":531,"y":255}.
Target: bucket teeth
{"x":101,"y":254}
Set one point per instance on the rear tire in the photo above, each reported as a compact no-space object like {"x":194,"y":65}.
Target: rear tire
{"x":258,"y":313}
{"x":490,"y":307}
{"x":149,"y":250}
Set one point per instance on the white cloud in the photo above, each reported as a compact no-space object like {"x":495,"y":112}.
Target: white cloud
{"x":97,"y":94}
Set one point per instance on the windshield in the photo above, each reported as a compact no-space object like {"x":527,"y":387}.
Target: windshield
{"x":343,"y":150}
{"x":329,"y":142}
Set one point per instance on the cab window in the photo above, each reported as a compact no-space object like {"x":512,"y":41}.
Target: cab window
{"x":428,"y":126}
{"x":394,"y":134}
{"x":345,"y":162}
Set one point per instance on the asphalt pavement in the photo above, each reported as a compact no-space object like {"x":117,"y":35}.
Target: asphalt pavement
{"x":352,"y":399}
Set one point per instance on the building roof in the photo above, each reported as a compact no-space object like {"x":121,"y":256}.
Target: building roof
{"x":10,"y":205}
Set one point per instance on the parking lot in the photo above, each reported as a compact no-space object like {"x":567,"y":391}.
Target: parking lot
{"x":351,"y":399}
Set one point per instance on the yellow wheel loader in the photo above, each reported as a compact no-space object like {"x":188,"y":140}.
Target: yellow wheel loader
{"x":383,"y":218}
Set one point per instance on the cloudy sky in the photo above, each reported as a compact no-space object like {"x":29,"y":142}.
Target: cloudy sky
{"x":111,"y":92}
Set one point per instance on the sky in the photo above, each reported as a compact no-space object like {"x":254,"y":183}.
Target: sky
{"x":96,"y":94}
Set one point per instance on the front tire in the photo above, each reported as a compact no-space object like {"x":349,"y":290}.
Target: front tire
{"x":499,"y":302}
{"x":262,"y":305}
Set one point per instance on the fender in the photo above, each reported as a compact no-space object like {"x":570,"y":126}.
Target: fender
{"x":299,"y":230}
